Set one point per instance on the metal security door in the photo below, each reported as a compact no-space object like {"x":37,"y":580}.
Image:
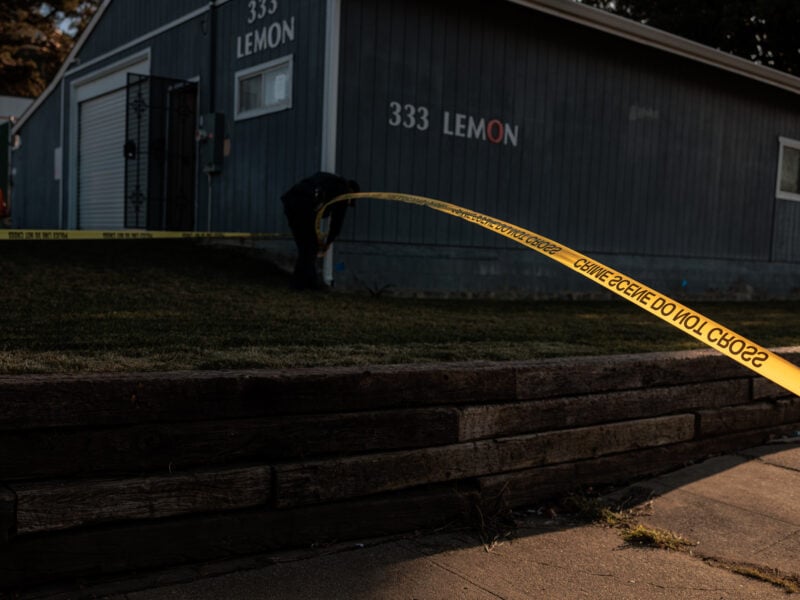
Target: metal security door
{"x":160,"y":156}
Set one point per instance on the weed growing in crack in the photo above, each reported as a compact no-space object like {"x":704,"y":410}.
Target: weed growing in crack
{"x":640,"y":535}
{"x":788,"y":583}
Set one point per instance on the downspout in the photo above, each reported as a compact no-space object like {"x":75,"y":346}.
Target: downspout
{"x":212,"y":93}
{"x":212,"y":56}
{"x":62,"y":221}
{"x":330,"y":110}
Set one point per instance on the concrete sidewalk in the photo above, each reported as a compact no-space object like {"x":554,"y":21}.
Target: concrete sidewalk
{"x":740,"y":512}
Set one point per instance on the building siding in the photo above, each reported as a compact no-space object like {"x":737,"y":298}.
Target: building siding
{"x":127,"y":20}
{"x":622,"y":149}
{"x":35,"y":192}
{"x":271,"y":152}
{"x":655,"y":163}
{"x":267,"y":154}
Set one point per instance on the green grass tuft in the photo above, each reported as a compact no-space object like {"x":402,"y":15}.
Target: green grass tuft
{"x":640,"y":535}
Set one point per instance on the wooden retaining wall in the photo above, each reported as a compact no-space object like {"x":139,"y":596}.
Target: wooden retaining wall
{"x":107,"y":474}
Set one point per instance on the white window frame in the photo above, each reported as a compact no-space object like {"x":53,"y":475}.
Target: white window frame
{"x":284,"y":61}
{"x":779,"y":193}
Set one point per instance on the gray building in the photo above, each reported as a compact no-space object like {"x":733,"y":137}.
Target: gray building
{"x":670,"y":161}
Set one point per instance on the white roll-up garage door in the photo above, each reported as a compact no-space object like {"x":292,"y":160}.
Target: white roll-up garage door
{"x":101,"y":162}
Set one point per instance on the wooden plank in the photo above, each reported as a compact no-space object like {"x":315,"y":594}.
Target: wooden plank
{"x":164,"y":447}
{"x":35,"y":401}
{"x":478,"y":422}
{"x":560,"y":377}
{"x":413,"y":386}
{"x":321,"y":481}
{"x":764,"y":389}
{"x":8,"y":514}
{"x":45,"y":506}
{"x":752,"y":416}
{"x":80,"y":401}
{"x":529,"y":486}
{"x":80,"y":554}
{"x":38,"y":401}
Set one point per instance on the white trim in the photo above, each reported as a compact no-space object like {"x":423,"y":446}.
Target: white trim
{"x":330,"y":92}
{"x":330,"y":106}
{"x":287,"y":61}
{"x":110,"y":77}
{"x":95,"y":84}
{"x":140,"y":40}
{"x":784,"y":142}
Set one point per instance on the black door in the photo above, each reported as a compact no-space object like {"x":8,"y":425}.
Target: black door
{"x":160,"y":152}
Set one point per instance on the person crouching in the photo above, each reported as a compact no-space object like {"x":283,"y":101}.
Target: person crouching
{"x":300,"y":204}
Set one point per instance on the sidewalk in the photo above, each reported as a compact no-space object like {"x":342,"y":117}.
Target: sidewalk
{"x":741,"y":512}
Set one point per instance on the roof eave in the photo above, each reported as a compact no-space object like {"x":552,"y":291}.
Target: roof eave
{"x":621,"y":27}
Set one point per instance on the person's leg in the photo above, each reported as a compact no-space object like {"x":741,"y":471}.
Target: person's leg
{"x":305,"y":270}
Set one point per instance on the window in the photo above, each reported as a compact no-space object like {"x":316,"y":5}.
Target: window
{"x":264,"y":89}
{"x":789,"y":170}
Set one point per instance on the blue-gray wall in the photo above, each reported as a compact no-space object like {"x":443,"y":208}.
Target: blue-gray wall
{"x":649,"y":161}
{"x":623,"y":150}
{"x":267,"y":154}
{"x":35,"y":193}
{"x":126,"y":20}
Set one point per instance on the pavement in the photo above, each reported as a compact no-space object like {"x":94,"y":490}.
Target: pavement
{"x":739,"y":515}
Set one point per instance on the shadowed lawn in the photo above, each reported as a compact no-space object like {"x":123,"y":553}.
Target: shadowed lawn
{"x":163,"y":305}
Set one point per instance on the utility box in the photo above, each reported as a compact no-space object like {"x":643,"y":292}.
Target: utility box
{"x":212,"y":141}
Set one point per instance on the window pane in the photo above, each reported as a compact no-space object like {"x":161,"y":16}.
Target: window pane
{"x":279,"y":87}
{"x":276,"y":86}
{"x":790,"y":170}
{"x":264,"y":89}
{"x":250,"y":93}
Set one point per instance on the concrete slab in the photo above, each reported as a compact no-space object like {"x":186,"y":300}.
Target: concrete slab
{"x":755,"y":486}
{"x":781,"y":455}
{"x":591,"y":562}
{"x":741,"y":509}
{"x":725,"y":531}
{"x":548,"y":560}
{"x":386,"y":571}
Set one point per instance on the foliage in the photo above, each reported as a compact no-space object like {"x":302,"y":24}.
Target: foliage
{"x":35,"y":39}
{"x":764,"y":31}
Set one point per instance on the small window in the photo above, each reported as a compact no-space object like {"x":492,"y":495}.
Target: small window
{"x":264,"y":89}
{"x":789,"y":170}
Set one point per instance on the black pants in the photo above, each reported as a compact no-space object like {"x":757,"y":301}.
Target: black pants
{"x":305,"y":268}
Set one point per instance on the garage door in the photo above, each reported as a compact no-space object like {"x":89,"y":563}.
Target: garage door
{"x":101,"y":162}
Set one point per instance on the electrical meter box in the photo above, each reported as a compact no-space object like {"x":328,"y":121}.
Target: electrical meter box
{"x":212,"y":141}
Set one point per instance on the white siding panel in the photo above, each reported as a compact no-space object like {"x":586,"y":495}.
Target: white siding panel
{"x":101,"y":163}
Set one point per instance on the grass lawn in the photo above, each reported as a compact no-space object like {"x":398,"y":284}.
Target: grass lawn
{"x":163,"y":305}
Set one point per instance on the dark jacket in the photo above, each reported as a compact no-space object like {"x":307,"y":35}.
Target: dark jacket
{"x":306,"y":197}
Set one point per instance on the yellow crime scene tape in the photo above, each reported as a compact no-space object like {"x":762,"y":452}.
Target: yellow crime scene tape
{"x":720,"y":338}
{"x":87,"y":234}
